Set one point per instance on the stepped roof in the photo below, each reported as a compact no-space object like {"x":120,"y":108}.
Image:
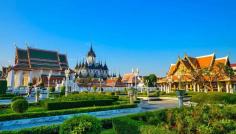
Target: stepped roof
{"x":32,"y":58}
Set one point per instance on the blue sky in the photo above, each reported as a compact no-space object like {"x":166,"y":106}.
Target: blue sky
{"x":148,"y":34}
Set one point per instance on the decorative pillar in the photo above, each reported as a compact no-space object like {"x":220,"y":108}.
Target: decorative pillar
{"x":198,"y":88}
{"x":20,"y":78}
{"x":231,"y":90}
{"x":11,"y":78}
{"x":194,"y":87}
{"x":227,"y":87}
{"x":218,"y":86}
{"x":186,"y":86}
{"x":30,"y":77}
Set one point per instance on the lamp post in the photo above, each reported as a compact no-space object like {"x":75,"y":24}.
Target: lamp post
{"x":180,"y":93}
{"x":67,"y":73}
{"x":100,"y":80}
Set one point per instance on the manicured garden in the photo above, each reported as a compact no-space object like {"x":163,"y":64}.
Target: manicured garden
{"x":74,"y":103}
{"x":201,"y":119}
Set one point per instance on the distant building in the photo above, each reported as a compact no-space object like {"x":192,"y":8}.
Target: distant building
{"x":91,"y":68}
{"x":187,"y":72}
{"x":34,"y":65}
{"x":130,"y":79}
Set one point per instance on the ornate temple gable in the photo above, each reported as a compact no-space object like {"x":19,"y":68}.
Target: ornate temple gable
{"x":171,"y":70}
{"x":21,"y":59}
{"x":206,"y":61}
{"x":182,"y":67}
{"x":192,"y":61}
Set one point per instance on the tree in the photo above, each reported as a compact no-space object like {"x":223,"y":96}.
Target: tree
{"x":3,"y":87}
{"x":150,"y":80}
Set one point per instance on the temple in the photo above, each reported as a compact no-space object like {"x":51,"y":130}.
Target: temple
{"x":34,"y":66}
{"x":91,"y":68}
{"x":204,"y":73}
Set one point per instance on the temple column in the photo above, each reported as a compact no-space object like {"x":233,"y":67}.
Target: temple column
{"x":218,"y":87}
{"x":227,"y":87}
{"x":30,"y":77}
{"x":194,"y":87}
{"x":11,"y":78}
{"x":198,"y":88}
{"x":231,"y":90}
{"x":20,"y":78}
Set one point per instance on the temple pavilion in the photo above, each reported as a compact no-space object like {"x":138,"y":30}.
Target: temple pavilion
{"x":35,"y":65}
{"x":202,"y":74}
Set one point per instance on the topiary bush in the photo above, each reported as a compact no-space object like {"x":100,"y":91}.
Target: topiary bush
{"x":81,"y":125}
{"x":17,"y":98}
{"x":20,"y":105}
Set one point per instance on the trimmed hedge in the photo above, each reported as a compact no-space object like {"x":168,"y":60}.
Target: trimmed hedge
{"x":125,"y":125}
{"x":15,"y":116}
{"x":214,"y":97}
{"x":53,"y":129}
{"x":76,"y":104}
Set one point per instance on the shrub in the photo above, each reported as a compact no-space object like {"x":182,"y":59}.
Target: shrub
{"x":63,"y":90}
{"x":124,"y":125}
{"x":52,"y":89}
{"x":81,"y":125}
{"x":223,"y":126}
{"x":148,"y":129}
{"x":215,"y":97}
{"x":110,"y":93}
{"x":76,"y":104}
{"x":20,"y":105}
{"x":17,"y":98}
{"x":3,"y":87}
{"x":203,"y":129}
{"x":53,"y":129}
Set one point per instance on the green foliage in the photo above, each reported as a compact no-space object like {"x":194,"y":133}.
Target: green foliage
{"x":94,"y":88}
{"x":149,"y":129}
{"x":81,"y":125}
{"x":76,"y":104}
{"x":63,"y":90}
{"x":110,"y":93}
{"x":124,"y":125}
{"x":14,"y":116}
{"x":3,"y":87}
{"x":215,"y":98}
{"x":17,"y":98}
{"x":20,"y":105}
{"x":150,"y":80}
{"x":54,"y":129}
{"x":52,"y":89}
